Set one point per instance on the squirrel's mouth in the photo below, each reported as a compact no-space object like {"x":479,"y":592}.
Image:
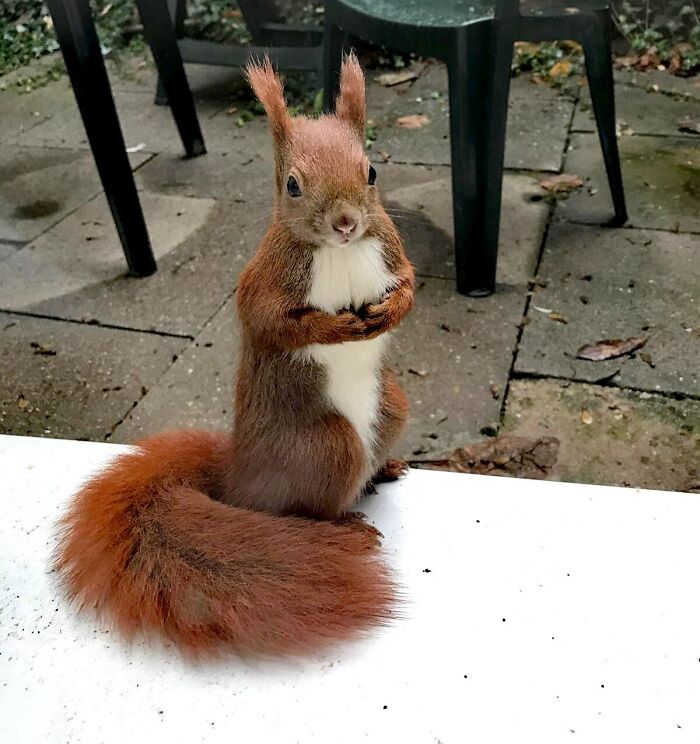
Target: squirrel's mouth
{"x":338,"y":237}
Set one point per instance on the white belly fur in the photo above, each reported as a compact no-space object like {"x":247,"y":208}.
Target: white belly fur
{"x":345,"y":276}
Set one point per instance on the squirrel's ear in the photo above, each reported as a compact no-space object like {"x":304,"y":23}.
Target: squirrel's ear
{"x":350,"y":104}
{"x":269,"y":90}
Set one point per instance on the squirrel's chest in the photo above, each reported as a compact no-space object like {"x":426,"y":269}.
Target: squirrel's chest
{"x":348,"y":277}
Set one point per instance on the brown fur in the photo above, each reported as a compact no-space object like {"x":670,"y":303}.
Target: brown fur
{"x":247,"y":541}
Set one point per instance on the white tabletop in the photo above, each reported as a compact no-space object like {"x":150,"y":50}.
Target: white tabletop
{"x":551,"y":612}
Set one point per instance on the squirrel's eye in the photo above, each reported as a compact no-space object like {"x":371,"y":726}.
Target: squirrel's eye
{"x":293,"y":187}
{"x":372,"y":176}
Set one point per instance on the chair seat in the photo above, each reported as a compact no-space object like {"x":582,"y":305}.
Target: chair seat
{"x":453,"y":13}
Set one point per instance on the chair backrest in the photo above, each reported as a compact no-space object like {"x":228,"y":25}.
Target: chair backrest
{"x":256,"y":13}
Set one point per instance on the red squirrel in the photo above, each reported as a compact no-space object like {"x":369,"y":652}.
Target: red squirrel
{"x":247,"y":541}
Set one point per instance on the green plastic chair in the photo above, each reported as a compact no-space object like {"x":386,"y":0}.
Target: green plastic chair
{"x":475,"y":39}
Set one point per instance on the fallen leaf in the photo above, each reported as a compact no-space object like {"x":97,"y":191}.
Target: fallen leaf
{"x":136,"y":148}
{"x":688,"y":124}
{"x":22,"y":402}
{"x":494,"y":391}
{"x":412,"y":121}
{"x":506,"y":455}
{"x":418,"y":372}
{"x":560,"y":69}
{"x":41,"y":349}
{"x":586,"y":417}
{"x":551,"y":314}
{"x":389,"y":79}
{"x":627,"y":61}
{"x":646,"y":358}
{"x":623,"y":128}
{"x":385,"y":156}
{"x":610,"y":348}
{"x":231,"y":111}
{"x":561,"y":183}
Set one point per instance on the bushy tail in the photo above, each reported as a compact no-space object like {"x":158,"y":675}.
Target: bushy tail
{"x":146,"y":546}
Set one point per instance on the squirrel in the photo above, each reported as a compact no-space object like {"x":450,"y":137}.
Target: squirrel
{"x":247,"y":541}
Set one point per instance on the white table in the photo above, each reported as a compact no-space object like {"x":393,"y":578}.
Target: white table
{"x":549,"y":609}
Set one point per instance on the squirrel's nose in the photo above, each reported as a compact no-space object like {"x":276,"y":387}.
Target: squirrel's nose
{"x":345,"y":224}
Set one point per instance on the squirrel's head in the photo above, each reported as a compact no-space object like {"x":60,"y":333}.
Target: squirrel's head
{"x":324,"y":183}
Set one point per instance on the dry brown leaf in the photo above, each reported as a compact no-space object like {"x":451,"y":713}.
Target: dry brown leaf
{"x":646,"y":358}
{"x":22,"y":402}
{"x":385,"y":156}
{"x":586,"y":417}
{"x":494,"y":392}
{"x":389,"y":79}
{"x":688,"y":124}
{"x":412,"y":121}
{"x":562,"y":183}
{"x":560,"y":69}
{"x":41,"y":349}
{"x":558,"y":317}
{"x":627,"y":61}
{"x":610,"y":348}
{"x":506,"y":455}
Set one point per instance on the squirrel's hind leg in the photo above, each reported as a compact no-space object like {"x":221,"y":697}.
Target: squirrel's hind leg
{"x":314,"y":471}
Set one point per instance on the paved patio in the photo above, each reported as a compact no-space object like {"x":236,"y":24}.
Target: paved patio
{"x":87,"y":352}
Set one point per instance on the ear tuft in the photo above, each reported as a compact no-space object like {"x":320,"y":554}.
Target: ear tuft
{"x":350,"y":104}
{"x":269,"y":90}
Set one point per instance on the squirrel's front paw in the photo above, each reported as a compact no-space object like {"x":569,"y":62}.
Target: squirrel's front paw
{"x":378,"y":317}
{"x":350,"y":325}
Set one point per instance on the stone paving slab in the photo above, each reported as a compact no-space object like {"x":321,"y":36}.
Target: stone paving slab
{"x":661,"y":176}
{"x":197,"y":391}
{"x":238,"y":165}
{"x":538,"y":121}
{"x":77,"y":269}
{"x":192,"y":282}
{"x":142,"y":123}
{"x":6,"y":250}
{"x":22,"y":111}
{"x":83,"y":389}
{"x":652,"y":113}
{"x":448,"y":353}
{"x":41,"y":186}
{"x":633,"y":439}
{"x":422,"y":209}
{"x":611,"y":284}
{"x":658,"y":80}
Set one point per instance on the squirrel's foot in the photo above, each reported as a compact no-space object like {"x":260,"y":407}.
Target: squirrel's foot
{"x":356,"y":520}
{"x":392,"y":470}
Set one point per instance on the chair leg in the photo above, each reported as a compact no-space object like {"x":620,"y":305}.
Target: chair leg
{"x":334,"y":40}
{"x":160,"y":34}
{"x":178,"y":13}
{"x":596,"y":45}
{"x":476,"y":232}
{"x":76,"y":35}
